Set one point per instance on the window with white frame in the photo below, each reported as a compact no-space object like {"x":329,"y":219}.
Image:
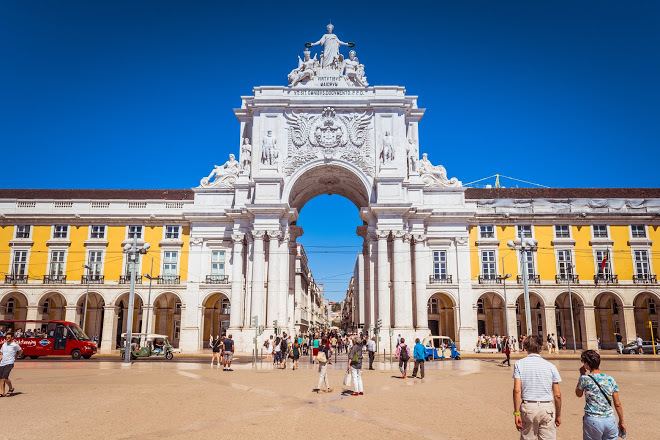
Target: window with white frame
{"x":480,"y":306}
{"x":433,"y":306}
{"x":177,"y":329}
{"x":524,"y":231}
{"x":95,"y":262}
{"x":177,"y":307}
{"x":440,"y":265}
{"x":48,"y":305}
{"x":638,"y":231}
{"x":487,"y":231}
{"x":225,"y":305}
{"x":562,"y":231}
{"x":529,"y":262}
{"x":97,"y":231}
{"x":11,"y":304}
{"x":488,"y":270}
{"x":134,"y":231}
{"x":172,"y":232}
{"x":19,"y":263}
{"x":642,"y":267}
{"x":60,"y":231}
{"x":218,"y":264}
{"x":23,"y":231}
{"x":129,"y":267}
{"x":600,"y":231}
{"x":565,"y":264}
{"x":170,"y":265}
{"x":603,"y":260}
{"x":57,"y":260}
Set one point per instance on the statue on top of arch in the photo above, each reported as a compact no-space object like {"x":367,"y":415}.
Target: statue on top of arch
{"x":330,"y":63}
{"x":435,"y":175}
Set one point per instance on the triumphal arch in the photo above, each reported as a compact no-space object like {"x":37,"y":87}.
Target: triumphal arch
{"x":330,"y":132}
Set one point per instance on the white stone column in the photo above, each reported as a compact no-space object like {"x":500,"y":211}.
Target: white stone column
{"x":360,"y":290}
{"x":550,"y":321}
{"x":285,"y":301}
{"x":274,"y":282}
{"x":421,"y":269}
{"x":383,"y":280}
{"x":257,"y":308}
{"x":590,"y":327}
{"x":372,"y":247}
{"x":108,"y":339}
{"x":402,"y":285}
{"x":70,"y":314}
{"x":511,"y":321}
{"x":629,"y":332}
{"x":236,"y":301}
{"x":32,"y":313}
{"x":467,"y":323}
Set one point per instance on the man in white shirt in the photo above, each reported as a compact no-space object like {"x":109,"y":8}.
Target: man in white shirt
{"x":536,"y":394}
{"x":371,"y":348}
{"x":8,"y":353}
{"x":640,"y":345}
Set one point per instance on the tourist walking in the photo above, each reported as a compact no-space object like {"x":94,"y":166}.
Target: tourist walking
{"x":322,"y":359}
{"x":270,"y":344}
{"x":403,"y":355}
{"x":216,"y":347}
{"x":419,"y":353}
{"x":371,"y":349}
{"x":601,"y":394}
{"x":228,"y":344}
{"x":640,"y":344}
{"x":296,"y":353}
{"x":507,"y":352}
{"x":284,"y":349}
{"x":536,"y":394}
{"x":355,"y":366}
{"x":619,"y":342}
{"x":8,"y":353}
{"x":277,"y":351}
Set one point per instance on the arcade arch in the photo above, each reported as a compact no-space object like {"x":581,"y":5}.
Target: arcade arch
{"x":166,"y":318}
{"x":608,"y":308}
{"x":537,"y":309}
{"x":51,"y":306}
{"x":563,"y":319}
{"x":646,"y":306}
{"x":441,"y":315}
{"x":13,"y":306}
{"x":121,"y":307}
{"x":216,"y":310}
{"x":490,"y":314}
{"x":95,"y":313}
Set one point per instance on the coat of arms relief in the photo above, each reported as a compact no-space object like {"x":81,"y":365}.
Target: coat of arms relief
{"x":329,"y":135}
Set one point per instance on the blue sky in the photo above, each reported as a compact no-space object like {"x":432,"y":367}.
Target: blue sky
{"x":139,"y":94}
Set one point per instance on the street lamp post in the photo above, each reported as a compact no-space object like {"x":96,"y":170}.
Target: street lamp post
{"x":526,"y":245}
{"x":89,"y":277}
{"x":132,"y":253}
{"x":506,"y":317}
{"x":570,"y":300}
{"x":150,"y":277}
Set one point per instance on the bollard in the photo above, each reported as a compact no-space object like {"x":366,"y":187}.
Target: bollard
{"x":262,"y":357}
{"x":384,"y":357}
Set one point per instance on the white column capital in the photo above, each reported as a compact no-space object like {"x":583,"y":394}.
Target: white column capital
{"x":196,"y":241}
{"x":258,"y":235}
{"x":237,"y":237}
{"x":382,"y":235}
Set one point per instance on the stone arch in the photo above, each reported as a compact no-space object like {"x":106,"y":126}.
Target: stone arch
{"x":165,"y":318}
{"x":319,"y":177}
{"x":121,"y":308}
{"x":490,"y":314}
{"x":13,"y":305}
{"x":51,"y":305}
{"x":608,"y":308}
{"x":441,"y":314}
{"x":95,"y":313}
{"x":563,"y":319}
{"x":537,"y":306}
{"x":646,"y":306}
{"x":215,"y":315}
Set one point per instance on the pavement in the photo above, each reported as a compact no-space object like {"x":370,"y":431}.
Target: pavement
{"x":466,"y":399}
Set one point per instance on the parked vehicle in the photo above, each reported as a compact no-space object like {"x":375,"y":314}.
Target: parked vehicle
{"x":439,"y":346}
{"x":647,"y":346}
{"x":154,"y":346}
{"x":49,"y":338}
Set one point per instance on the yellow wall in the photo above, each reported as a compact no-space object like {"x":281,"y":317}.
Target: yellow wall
{"x":473,"y":231}
{"x":114,"y":257}
{"x":654,"y":234}
{"x":504,"y":234}
{"x":545,"y":256}
{"x":6,"y":234}
{"x":39,"y":253}
{"x":584,"y":257}
{"x":183,"y":260}
{"x":153,"y":235}
{"x":620,"y":253}
{"x":77,"y":255}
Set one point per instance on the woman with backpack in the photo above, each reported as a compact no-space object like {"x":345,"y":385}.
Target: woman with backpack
{"x":403,"y":355}
{"x":602,"y":398}
{"x":322,"y":359}
{"x":507,"y":351}
{"x":355,"y":366}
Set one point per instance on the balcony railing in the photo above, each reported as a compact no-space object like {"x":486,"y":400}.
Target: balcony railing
{"x":92,"y":279}
{"x":563,"y":279}
{"x":168,"y":279}
{"x":647,"y":278}
{"x":440,"y":279}
{"x":16,"y":279}
{"x":126,"y":279}
{"x":531,"y":279}
{"x":217,"y":279}
{"x":606,"y":278}
{"x":490,"y":279}
{"x":54,"y":279}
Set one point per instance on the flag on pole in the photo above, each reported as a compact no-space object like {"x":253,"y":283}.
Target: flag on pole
{"x":604,"y":262}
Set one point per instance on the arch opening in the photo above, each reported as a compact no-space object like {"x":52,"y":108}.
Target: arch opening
{"x":440,"y":309}
{"x":217,"y":309}
{"x":609,"y":319}
{"x":563,"y":320}
{"x":646,"y":306}
{"x":165,"y":317}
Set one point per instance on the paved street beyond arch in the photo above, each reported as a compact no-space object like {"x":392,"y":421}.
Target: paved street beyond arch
{"x":467,"y":399}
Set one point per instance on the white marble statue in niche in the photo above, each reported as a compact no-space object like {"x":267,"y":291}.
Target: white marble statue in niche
{"x":435,"y":175}
{"x":225,"y":175}
{"x":269,"y":152}
{"x":306,"y":70}
{"x":387,"y":153}
{"x":330,"y":58}
{"x":354,"y":71}
{"x":246,"y":156}
{"x":412,"y":155}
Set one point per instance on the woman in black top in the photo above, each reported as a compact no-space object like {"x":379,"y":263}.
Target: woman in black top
{"x":216,"y":346}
